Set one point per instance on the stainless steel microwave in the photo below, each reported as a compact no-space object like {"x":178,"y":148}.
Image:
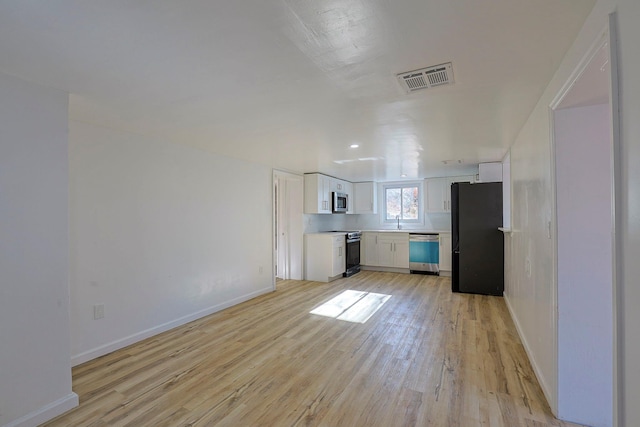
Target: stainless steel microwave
{"x":340,"y":202}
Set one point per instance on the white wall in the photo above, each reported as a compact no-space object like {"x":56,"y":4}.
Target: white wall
{"x":629,"y":208}
{"x":35,"y":370}
{"x":530,"y":291}
{"x":585,"y":316}
{"x":161,"y":234}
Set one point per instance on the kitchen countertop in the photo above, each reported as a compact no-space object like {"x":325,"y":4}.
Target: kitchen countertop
{"x":342,"y":233}
{"x":403,"y":230}
{"x":330,"y":233}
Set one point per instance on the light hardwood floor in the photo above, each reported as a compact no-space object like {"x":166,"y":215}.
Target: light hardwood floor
{"x":428,"y":357}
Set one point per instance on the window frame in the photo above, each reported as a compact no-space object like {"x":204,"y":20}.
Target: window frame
{"x":402,"y":184}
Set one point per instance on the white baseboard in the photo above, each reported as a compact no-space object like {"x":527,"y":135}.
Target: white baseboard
{"x":385,"y":269}
{"x":46,"y":412}
{"x":543,"y":384}
{"x":139,"y":336}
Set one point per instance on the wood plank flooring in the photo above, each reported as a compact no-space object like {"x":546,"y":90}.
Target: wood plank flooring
{"x":427,"y":357}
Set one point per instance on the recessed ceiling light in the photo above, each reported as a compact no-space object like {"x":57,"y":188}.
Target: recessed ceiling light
{"x":404,"y":175}
{"x":354,"y":146}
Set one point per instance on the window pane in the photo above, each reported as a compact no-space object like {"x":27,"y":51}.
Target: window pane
{"x":402,"y":202}
{"x":410,"y":203}
{"x":393,"y":200}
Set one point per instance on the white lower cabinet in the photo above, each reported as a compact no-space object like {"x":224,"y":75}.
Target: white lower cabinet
{"x":369,"y":249}
{"x":338,"y":264}
{"x":385,"y":250}
{"x":445,"y":264}
{"x":324,"y":256}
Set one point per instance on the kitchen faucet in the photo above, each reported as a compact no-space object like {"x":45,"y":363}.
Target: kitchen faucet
{"x":398,"y":218}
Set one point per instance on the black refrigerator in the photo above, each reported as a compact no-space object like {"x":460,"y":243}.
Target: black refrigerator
{"x":477,"y":244}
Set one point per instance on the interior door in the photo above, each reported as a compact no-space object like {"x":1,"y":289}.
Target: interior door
{"x":288,"y":227}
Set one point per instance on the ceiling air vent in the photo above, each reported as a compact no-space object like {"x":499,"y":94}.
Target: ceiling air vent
{"x":424,"y":78}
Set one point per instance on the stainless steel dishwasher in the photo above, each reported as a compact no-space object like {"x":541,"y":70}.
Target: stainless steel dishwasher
{"x":424,"y":253}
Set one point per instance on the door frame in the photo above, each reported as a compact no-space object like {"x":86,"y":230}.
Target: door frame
{"x":608,"y":35}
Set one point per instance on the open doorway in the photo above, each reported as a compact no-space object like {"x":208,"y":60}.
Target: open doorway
{"x":583,"y":152}
{"x":287,"y":225}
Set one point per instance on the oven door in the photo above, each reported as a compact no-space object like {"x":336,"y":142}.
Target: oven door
{"x":353,"y":257}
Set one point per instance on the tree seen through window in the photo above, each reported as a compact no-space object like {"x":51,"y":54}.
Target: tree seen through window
{"x":402,"y":203}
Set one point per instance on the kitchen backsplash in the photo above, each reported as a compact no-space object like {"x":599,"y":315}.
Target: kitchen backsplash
{"x":314,"y":223}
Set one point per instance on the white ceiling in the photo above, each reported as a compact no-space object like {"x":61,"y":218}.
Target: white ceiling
{"x":292,"y":83}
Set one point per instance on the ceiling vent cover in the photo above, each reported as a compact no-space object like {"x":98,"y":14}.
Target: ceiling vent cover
{"x":424,"y":78}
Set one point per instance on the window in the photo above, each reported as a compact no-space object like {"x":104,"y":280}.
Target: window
{"x":402,"y":201}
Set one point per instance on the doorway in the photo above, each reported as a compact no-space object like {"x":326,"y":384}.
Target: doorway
{"x":583,"y":152}
{"x":287,"y":225}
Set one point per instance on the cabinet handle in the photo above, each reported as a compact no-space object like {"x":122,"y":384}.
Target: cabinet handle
{"x":444,"y":202}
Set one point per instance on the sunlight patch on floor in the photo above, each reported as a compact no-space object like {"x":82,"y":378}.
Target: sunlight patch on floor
{"x":352,"y":306}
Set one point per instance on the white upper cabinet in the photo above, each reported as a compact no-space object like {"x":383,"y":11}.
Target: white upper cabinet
{"x":366,"y":200}
{"x":436,"y":194}
{"x":338,"y":185}
{"x":348,"y":188}
{"x":317,"y":193}
{"x":490,"y":172}
{"x":439,"y":192}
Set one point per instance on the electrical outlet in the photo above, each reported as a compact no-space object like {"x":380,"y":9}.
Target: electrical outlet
{"x":98,"y":311}
{"x":260,"y":269}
